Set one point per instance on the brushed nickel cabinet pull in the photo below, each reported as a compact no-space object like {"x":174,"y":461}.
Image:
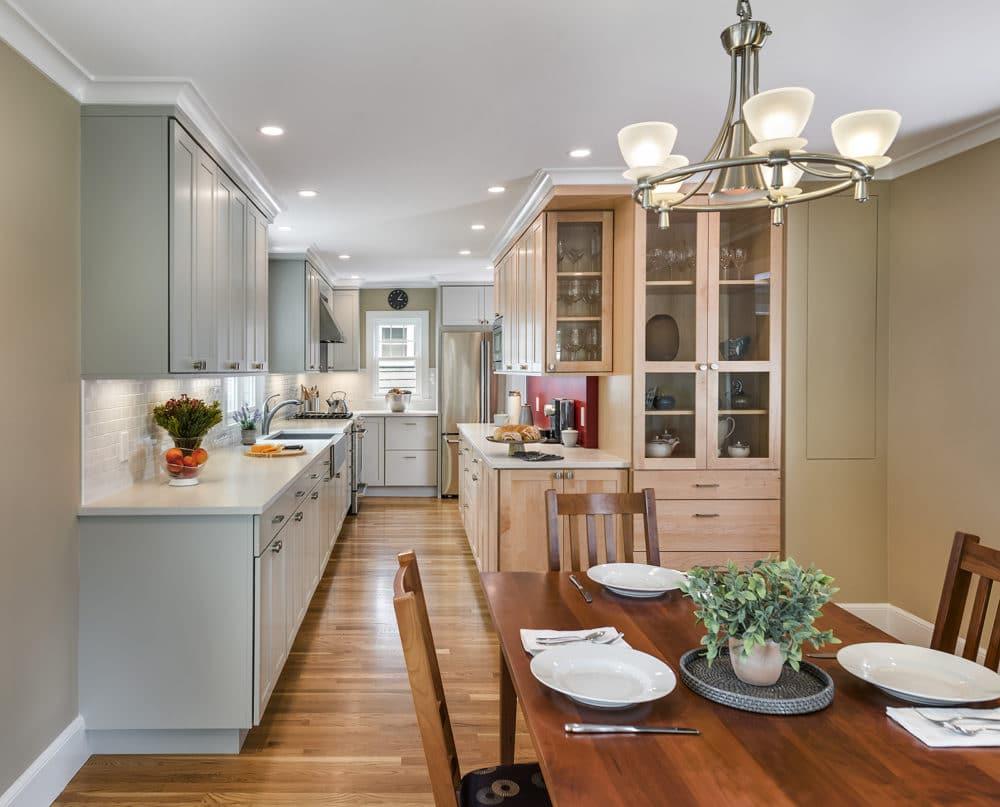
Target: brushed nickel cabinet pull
{"x":706,"y":484}
{"x":278,"y":545}
{"x":315,"y":494}
{"x":475,"y":478}
{"x":277,"y":519}
{"x":258,"y":365}
{"x":706,"y":515}
{"x":557,"y":475}
{"x":298,"y":516}
{"x":199,"y":365}
{"x":299,"y":494}
{"x":314,"y":476}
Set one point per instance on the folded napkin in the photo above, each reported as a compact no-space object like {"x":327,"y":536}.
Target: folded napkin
{"x":529,"y":638}
{"x":935,"y":736}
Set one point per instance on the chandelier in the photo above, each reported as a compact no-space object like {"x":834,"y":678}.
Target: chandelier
{"x":759,"y":156}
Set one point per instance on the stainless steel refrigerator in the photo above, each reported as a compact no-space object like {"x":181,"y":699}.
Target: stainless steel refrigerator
{"x":467,"y":393}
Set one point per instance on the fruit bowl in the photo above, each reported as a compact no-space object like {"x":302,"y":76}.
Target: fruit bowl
{"x":183,"y":465}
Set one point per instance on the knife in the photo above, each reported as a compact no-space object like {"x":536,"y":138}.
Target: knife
{"x":581,"y":589}
{"x":599,"y":728}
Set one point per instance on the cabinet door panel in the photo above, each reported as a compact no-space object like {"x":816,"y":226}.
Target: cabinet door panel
{"x":373,"y":447}
{"x":461,"y":306}
{"x":270,"y":640}
{"x":192,"y":264}
{"x":255,"y":256}
{"x":488,"y":308}
{"x":347,"y":356}
{"x":741,"y":526}
{"x":231,"y":275}
{"x":522,"y":535}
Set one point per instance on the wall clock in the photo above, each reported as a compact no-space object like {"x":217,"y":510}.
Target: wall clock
{"x":398,"y":299}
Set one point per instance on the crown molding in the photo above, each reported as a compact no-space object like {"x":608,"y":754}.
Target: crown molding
{"x":968,"y":138}
{"x":28,"y":39}
{"x":533,"y":200}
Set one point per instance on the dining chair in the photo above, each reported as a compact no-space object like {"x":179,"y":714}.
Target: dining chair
{"x":519,"y":785}
{"x":968,"y":558}
{"x":608,"y":505}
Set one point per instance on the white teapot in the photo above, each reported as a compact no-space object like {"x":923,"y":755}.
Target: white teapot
{"x":660,"y":447}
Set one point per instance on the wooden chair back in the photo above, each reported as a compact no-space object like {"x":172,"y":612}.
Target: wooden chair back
{"x":590,"y":506}
{"x":968,"y":558}
{"x":425,"y":682}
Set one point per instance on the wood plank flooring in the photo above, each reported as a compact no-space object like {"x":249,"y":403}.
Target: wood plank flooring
{"x":340,"y":727}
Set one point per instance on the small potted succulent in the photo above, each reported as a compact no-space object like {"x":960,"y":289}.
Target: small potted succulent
{"x":187,"y":421}
{"x":764,"y":614}
{"x":248,"y":417}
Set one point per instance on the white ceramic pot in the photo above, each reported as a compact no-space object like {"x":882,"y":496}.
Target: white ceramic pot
{"x":569,"y":437}
{"x":739,"y":450}
{"x":249,"y":436}
{"x":762,"y":668}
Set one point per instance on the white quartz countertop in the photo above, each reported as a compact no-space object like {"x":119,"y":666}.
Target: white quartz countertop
{"x":230,"y":484}
{"x":496,"y":454}
{"x":385,"y":413}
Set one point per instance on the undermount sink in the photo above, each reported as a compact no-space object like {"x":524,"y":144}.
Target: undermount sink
{"x":294,"y":434}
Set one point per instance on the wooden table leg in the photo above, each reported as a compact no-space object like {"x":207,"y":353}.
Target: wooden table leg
{"x":508,"y":713}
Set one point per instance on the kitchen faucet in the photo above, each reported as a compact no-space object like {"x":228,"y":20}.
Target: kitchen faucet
{"x":270,"y":413}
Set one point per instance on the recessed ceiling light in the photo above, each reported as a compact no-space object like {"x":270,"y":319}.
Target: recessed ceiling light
{"x":580,"y":153}
{"x":271,"y":131}
{"x":284,"y":228}
{"x":308,"y":194}
{"x":355,"y":277}
{"x":465,"y":252}
{"x":478,"y":227}
{"x":496,"y":189}
{"x":344,"y":257}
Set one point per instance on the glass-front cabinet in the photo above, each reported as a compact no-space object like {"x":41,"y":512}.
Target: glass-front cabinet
{"x":579,"y":265}
{"x":708,"y":352}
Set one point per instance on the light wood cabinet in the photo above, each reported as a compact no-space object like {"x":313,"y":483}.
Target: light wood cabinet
{"x":707,"y":379}
{"x":466,"y":306}
{"x":554,"y":291}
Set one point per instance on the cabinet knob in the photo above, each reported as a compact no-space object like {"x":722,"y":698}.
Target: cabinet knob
{"x":569,"y":474}
{"x":336,"y":475}
{"x":702,"y":367}
{"x":524,"y":366}
{"x":315,"y":494}
{"x":552,"y":366}
{"x":557,"y":475}
{"x":278,"y":546}
{"x":714,"y":365}
{"x":277,"y":519}
{"x":475,"y":478}
{"x":298,"y":516}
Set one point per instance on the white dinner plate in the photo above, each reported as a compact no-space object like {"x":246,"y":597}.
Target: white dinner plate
{"x":636,"y":579}
{"x":604,"y":676}
{"x":920,"y":675}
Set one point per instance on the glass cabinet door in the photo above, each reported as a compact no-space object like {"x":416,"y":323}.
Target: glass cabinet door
{"x":744,"y":339}
{"x":579,"y":267}
{"x":670,"y":378}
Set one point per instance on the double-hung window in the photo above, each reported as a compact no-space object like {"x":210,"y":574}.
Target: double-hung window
{"x":397,"y":351}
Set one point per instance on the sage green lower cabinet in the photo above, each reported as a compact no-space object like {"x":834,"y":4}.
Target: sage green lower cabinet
{"x":186,"y":621}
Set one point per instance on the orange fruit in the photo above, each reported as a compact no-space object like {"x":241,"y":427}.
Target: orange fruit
{"x":200,"y":456}
{"x":174,"y":456}
{"x":189,"y":461}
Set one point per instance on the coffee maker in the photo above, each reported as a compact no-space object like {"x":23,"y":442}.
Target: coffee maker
{"x":562,"y":415}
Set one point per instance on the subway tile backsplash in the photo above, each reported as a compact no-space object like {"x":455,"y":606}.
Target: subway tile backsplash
{"x":114,"y":407}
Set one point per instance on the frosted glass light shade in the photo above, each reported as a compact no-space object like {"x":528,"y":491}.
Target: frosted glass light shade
{"x":777,"y":114}
{"x":790,"y":175}
{"x":647,"y":143}
{"x":868,"y":133}
{"x":668,"y":192}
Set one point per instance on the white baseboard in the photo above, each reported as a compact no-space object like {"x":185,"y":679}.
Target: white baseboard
{"x":49,"y":774}
{"x":908,"y":628}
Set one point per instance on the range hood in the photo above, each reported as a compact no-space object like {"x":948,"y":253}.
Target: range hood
{"x":329,"y":332}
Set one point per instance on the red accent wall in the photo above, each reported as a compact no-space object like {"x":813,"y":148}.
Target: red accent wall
{"x":582,"y":388}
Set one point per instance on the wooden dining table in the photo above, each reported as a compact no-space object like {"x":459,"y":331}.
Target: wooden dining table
{"x":849,"y":753}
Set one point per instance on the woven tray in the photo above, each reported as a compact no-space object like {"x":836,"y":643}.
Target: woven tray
{"x":796,"y":693}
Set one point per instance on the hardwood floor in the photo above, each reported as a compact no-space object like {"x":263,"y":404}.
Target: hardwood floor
{"x":340,"y":727}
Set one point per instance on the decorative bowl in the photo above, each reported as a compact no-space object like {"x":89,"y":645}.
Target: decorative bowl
{"x":184,"y":465}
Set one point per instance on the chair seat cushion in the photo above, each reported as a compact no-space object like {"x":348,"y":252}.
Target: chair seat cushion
{"x":509,"y":785}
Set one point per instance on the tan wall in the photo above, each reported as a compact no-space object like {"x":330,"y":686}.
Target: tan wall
{"x":835,"y":395}
{"x":39,"y":351}
{"x":420,"y":300}
{"x":944,"y":378}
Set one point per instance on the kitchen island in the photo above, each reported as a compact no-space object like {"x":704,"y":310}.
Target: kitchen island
{"x":502,"y":498}
{"x":191,"y":597}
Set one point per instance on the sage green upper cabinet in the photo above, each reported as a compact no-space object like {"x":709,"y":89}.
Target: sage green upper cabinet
{"x":174,"y":251}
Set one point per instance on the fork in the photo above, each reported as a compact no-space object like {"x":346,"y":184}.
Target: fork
{"x":956,"y":723}
{"x":597,"y":637}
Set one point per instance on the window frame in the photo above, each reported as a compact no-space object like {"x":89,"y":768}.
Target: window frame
{"x":374,"y":320}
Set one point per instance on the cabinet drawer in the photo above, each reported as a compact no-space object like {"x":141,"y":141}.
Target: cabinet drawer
{"x":710,"y":484}
{"x":410,"y":468}
{"x":410,"y":434}
{"x":683,"y":561}
{"x":719,"y":526}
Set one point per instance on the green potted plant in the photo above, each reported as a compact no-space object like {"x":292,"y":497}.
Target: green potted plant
{"x":764,"y":614}
{"x":187,"y":420}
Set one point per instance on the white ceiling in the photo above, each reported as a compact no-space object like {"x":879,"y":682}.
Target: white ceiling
{"x":401,"y":113}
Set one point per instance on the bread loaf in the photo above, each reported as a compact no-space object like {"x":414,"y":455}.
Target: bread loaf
{"x":517,"y":433}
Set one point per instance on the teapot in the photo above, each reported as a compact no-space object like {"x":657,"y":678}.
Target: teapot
{"x":660,"y":447}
